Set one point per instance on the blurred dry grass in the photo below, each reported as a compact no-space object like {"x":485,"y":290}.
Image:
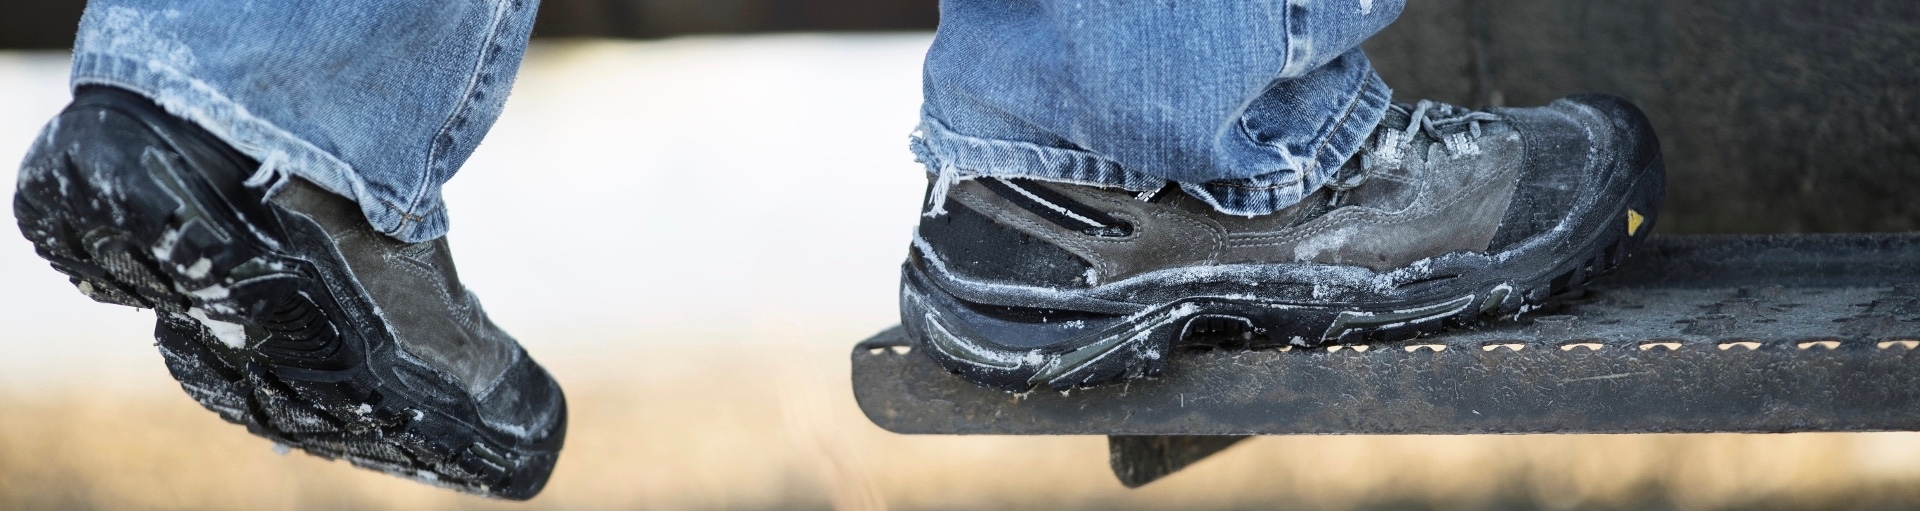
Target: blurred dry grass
{"x":718,"y":422}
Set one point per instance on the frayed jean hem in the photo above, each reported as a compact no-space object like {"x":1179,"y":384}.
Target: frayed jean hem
{"x":279,"y":152}
{"x":950,"y":156}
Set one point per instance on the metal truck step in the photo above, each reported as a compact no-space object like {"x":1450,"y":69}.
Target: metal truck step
{"x":1693,"y":334}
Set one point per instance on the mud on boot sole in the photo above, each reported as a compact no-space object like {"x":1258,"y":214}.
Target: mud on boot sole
{"x":159,"y":219}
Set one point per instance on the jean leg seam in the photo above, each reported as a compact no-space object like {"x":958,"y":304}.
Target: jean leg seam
{"x":488,"y":55}
{"x":1346,"y":115}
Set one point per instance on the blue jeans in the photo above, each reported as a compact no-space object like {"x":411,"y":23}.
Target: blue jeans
{"x":379,"y":101}
{"x":1247,"y":105}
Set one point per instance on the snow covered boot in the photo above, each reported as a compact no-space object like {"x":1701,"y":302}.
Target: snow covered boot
{"x":285,"y":311}
{"x":1446,"y":218}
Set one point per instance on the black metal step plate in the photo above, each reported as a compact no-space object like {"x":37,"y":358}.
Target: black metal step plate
{"x":1692,"y":334}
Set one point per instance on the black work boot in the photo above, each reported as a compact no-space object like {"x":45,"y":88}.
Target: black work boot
{"x":1446,"y":217}
{"x":287,"y":312}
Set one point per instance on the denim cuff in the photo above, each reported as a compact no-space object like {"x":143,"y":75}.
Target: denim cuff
{"x":279,"y":152}
{"x":1335,"y":143}
{"x":950,"y":155}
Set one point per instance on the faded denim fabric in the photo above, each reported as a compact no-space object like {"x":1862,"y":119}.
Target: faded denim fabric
{"x":1248,"y":105}
{"x":378,"y":101}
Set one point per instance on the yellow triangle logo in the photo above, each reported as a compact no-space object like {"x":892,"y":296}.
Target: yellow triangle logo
{"x":1633,"y":221}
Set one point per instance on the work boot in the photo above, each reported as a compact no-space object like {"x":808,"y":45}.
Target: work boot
{"x":280,"y":308}
{"x":1445,"y":218}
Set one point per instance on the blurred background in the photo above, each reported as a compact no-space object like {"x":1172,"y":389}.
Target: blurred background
{"x":709,"y":370}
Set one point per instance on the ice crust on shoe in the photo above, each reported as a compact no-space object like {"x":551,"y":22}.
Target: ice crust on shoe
{"x":233,"y":335}
{"x":1328,"y":281}
{"x":1422,"y":234}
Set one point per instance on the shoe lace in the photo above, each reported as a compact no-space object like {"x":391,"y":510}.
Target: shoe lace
{"x":1427,"y":117}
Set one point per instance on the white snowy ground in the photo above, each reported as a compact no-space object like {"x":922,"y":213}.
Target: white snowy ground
{"x":631,"y":193}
